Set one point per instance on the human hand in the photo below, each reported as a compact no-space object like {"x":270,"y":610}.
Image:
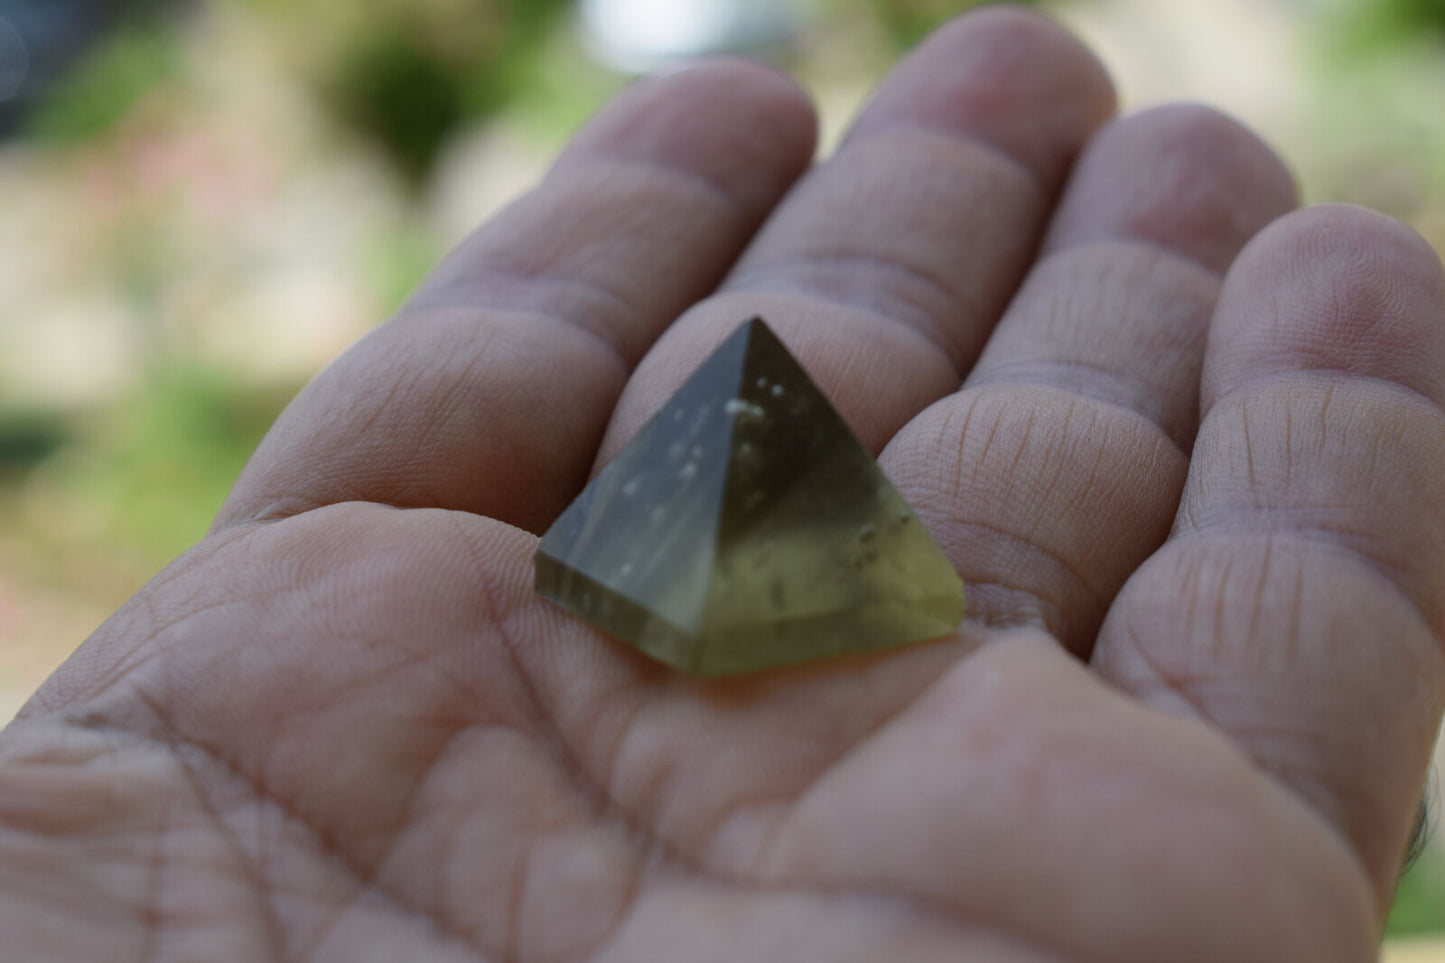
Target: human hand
{"x":1199,"y":515}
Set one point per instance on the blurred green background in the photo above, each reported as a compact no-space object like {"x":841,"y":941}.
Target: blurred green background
{"x":202,"y":203}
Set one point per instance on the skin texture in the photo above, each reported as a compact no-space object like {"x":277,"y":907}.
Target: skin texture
{"x":1185,"y":446}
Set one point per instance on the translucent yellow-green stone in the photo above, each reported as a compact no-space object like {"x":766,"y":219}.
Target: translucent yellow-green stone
{"x":747,"y":527}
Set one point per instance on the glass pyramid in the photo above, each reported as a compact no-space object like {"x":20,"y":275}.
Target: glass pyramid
{"x":746,"y":527}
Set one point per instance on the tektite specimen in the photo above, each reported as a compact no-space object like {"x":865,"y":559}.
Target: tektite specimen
{"x":747,"y":527}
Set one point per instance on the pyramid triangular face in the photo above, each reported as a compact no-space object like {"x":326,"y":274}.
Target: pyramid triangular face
{"x":747,"y":527}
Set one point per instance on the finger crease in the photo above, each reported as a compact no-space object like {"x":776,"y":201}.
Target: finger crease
{"x":1098,"y":384}
{"x":913,"y":295}
{"x":175,"y":744}
{"x":587,"y":306}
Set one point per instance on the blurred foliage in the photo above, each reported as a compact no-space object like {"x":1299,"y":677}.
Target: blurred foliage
{"x":145,"y":478}
{"x":406,"y":76}
{"x":139,"y":56}
{"x":1420,"y":901}
{"x":399,"y":260}
{"x":409,"y":75}
{"x":1396,"y":20}
{"x":27,"y":438}
{"x":1372,"y":133}
{"x":1386,"y":34}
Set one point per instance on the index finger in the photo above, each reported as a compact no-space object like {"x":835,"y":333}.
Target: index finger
{"x":489,"y":392}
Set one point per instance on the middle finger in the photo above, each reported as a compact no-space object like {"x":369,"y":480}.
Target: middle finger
{"x":1056,"y":470}
{"x":886,"y":268}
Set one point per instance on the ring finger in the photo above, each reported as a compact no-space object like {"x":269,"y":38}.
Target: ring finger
{"x":1057,"y":468}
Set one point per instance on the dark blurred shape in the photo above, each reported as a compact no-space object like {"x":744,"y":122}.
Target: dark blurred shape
{"x":14,"y":62}
{"x":28,"y":439}
{"x":1362,"y":32}
{"x":422,"y":71}
{"x":402,"y":95}
{"x":1413,"y":16}
{"x":41,"y":40}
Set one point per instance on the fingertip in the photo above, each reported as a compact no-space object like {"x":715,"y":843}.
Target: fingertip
{"x":1182,"y":175}
{"x":1322,"y":228}
{"x":747,"y":128}
{"x":1332,"y":287}
{"x":1355,"y":233}
{"x":1011,"y":77}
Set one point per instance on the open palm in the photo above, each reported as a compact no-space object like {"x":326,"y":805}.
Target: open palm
{"x":1196,"y":498}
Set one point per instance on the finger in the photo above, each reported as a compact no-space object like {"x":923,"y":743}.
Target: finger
{"x":887,"y":265}
{"x":490,"y":391}
{"x":1298,"y":604}
{"x":1117,"y":307}
{"x":1057,"y":469}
